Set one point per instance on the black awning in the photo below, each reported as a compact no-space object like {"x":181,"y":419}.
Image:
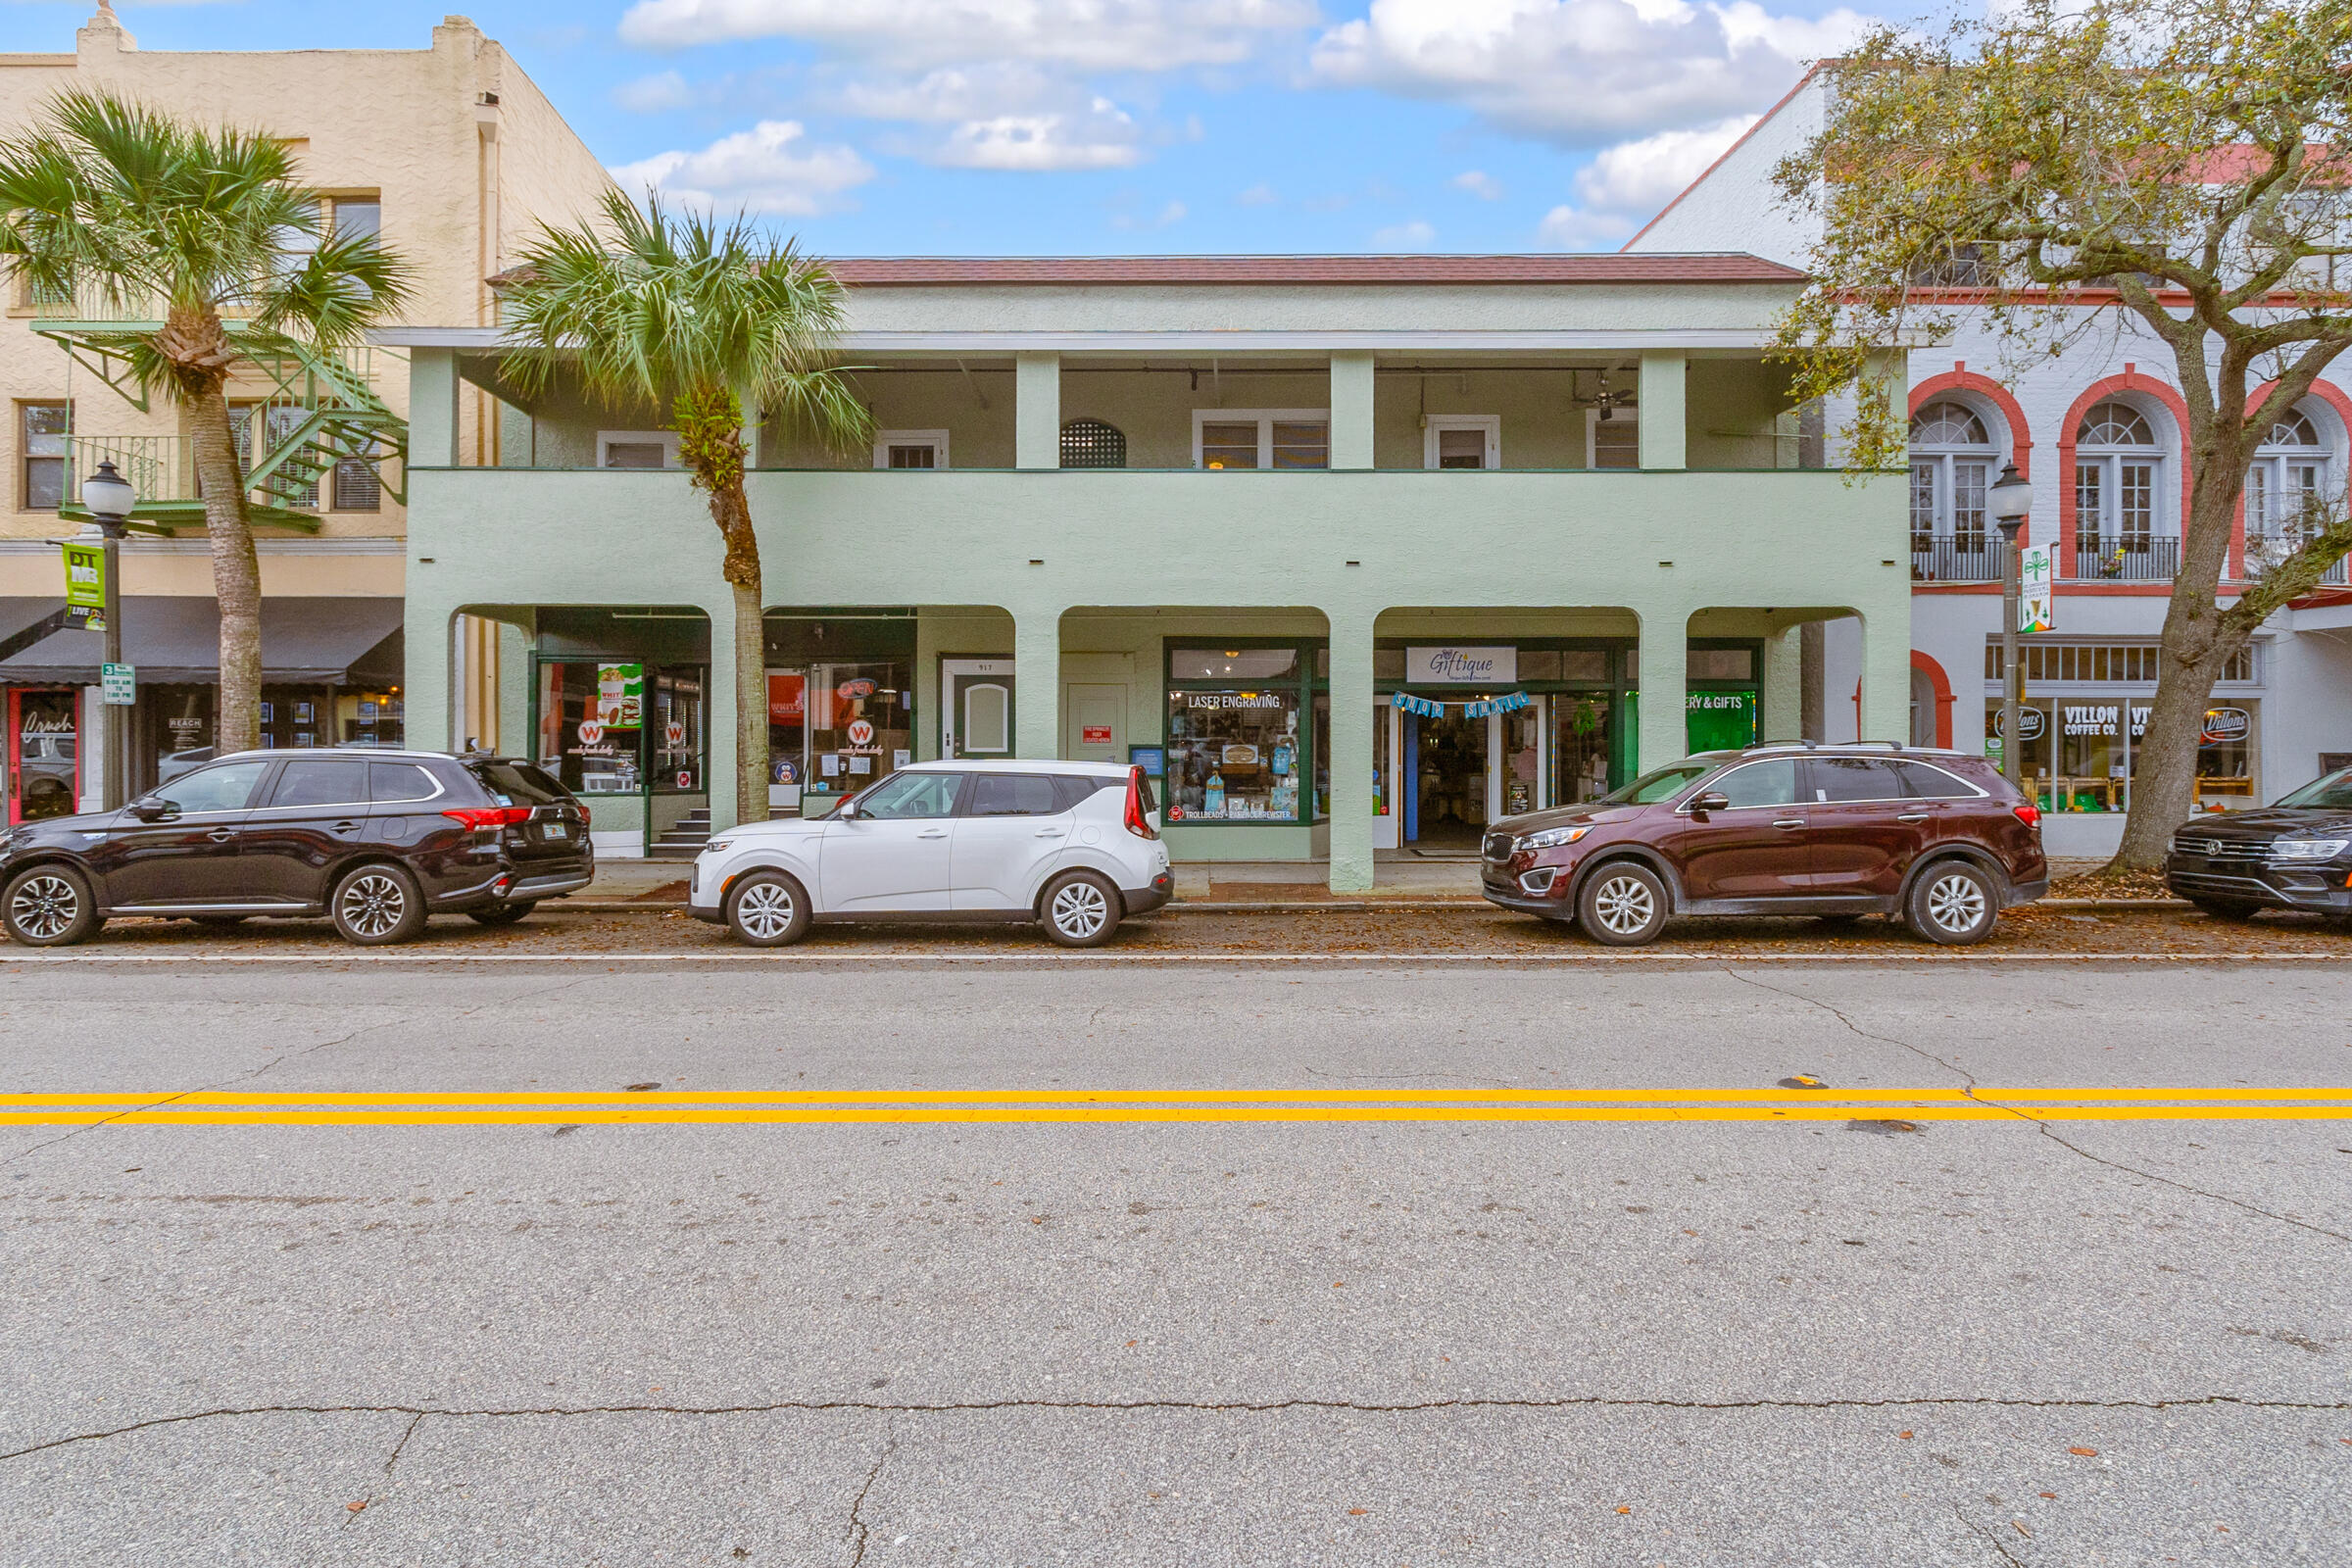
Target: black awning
{"x":167,"y":640}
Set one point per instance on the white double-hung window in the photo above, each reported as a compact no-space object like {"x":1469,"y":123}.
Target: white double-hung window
{"x":2285,"y":485}
{"x":2120,"y":528}
{"x":1261,"y":438}
{"x":1952,"y":463}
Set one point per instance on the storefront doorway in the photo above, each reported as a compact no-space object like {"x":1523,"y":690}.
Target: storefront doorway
{"x":1445,"y":778}
{"x":977,"y":702}
{"x":44,"y":753}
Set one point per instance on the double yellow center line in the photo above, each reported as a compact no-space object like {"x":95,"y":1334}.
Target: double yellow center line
{"x":536,"y":1107}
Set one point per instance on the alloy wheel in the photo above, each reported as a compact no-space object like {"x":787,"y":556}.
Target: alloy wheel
{"x":1079,"y":910}
{"x":1956,"y":903}
{"x":44,"y":907}
{"x":764,"y":911}
{"x":372,"y":905}
{"x":1625,"y":905}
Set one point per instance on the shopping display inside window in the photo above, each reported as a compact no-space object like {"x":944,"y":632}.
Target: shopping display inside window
{"x":1233,"y":756}
{"x":591,"y":725}
{"x":2097,"y":752}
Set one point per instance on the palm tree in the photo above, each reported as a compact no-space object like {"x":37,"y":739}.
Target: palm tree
{"x":171,"y":225}
{"x":700,"y":317}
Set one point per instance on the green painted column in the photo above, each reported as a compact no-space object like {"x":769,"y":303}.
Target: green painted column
{"x":720,"y":750}
{"x":1887,"y":672}
{"x":1036,"y":410}
{"x":514,"y":737}
{"x":1784,"y":697}
{"x":1664,"y":444}
{"x":1037,"y":682}
{"x":1351,"y":410}
{"x":1350,"y":760}
{"x":427,"y":627}
{"x":1663,"y":734}
{"x":432,"y":409}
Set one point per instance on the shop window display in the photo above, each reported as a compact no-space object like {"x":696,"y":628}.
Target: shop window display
{"x":860,"y":722}
{"x":1579,"y":746}
{"x":1234,"y":755}
{"x":2081,"y":753}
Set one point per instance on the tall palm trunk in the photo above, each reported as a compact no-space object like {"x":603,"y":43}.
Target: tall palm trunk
{"x":199,"y":352}
{"x":710,"y":438}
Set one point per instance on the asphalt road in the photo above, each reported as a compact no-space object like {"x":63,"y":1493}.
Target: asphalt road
{"x":816,"y":1297}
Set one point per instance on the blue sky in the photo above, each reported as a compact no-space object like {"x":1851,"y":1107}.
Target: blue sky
{"x":978,"y":126}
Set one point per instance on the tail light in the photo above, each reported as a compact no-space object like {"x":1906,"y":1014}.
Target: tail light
{"x":489,"y":819}
{"x":2027,"y":812}
{"x":583,"y":813}
{"x":1136,"y":823}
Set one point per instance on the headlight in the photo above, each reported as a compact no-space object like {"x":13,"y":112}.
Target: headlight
{"x":1551,"y":838}
{"x":2308,"y":849}
{"x":715,"y":846}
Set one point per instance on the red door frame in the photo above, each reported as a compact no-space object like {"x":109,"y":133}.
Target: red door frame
{"x":16,"y":746}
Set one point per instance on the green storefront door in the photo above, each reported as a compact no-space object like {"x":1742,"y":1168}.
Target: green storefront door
{"x":1719,"y":720}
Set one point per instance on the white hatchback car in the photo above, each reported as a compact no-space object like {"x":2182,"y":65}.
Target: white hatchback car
{"x":1072,"y":845}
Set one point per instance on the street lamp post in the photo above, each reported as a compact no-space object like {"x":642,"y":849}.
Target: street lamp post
{"x":110,"y":497}
{"x":2010,"y":498}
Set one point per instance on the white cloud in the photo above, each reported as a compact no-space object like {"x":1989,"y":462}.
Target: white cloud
{"x":650,"y":95}
{"x":1101,"y":137}
{"x":1578,"y":72}
{"x":1570,"y":229}
{"x":1087,"y":34}
{"x":1261,"y":194}
{"x":1413,"y":236}
{"x":1478,"y":183}
{"x":768,"y":169}
{"x":1645,"y":175}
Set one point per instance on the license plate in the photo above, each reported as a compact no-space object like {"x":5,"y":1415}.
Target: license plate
{"x":558,"y":830}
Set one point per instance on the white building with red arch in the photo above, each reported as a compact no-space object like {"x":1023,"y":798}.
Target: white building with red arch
{"x":2099,"y":432}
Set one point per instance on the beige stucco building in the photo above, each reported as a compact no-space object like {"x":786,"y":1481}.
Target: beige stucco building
{"x":458,"y":158}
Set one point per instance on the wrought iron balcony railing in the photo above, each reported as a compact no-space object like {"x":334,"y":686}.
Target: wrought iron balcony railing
{"x":2265,"y":549}
{"x":1980,"y":558}
{"x":2135,"y":557}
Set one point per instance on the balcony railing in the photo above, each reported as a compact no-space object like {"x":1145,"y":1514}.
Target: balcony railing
{"x":2266,"y":550}
{"x":1983,"y":559}
{"x":2132,"y":559}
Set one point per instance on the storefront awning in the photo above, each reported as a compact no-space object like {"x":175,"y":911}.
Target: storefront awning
{"x":324,"y":641}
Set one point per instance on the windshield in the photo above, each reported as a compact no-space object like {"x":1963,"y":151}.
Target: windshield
{"x":1656,"y":785}
{"x":2334,"y":792}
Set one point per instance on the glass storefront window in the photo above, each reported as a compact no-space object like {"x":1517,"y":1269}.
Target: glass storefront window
{"x":1234,"y":754}
{"x":2225,"y":756}
{"x":1322,"y":803}
{"x":676,"y":740}
{"x":1579,"y":746}
{"x":589,"y":743}
{"x":1233,"y":664}
{"x":367,"y":717}
{"x":1522,"y":752}
{"x":44,"y":776}
{"x":859,"y":726}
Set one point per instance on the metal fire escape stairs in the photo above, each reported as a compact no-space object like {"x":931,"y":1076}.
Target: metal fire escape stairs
{"x":309,"y":412}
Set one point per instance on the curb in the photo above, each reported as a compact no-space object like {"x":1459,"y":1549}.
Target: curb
{"x":1368,"y":906}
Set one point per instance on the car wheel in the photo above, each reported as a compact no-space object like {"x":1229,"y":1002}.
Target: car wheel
{"x":1623,"y":905}
{"x":1080,"y":910}
{"x":2227,"y":908}
{"x":503,"y":915}
{"x":1953,"y":904}
{"x":767,"y":910}
{"x":50,"y":906}
{"x":376,"y":905}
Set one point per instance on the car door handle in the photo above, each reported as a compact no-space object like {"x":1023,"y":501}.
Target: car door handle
{"x":1912,"y":817}
{"x":1789,"y":821}
{"x":222,"y":835}
{"x":933,"y":833}
{"x":1052,"y":832}
{"x":347,"y":827}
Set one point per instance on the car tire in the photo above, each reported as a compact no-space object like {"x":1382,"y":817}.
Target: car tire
{"x":50,"y":906}
{"x":1953,"y":904}
{"x":767,"y":910}
{"x":1622,"y":905}
{"x":1079,"y":910}
{"x":375,"y":906}
{"x":502,"y":914}
{"x":2228,"y":909}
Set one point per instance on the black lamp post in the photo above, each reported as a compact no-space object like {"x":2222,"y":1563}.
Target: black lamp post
{"x":109,"y":497}
{"x":2009,"y":499}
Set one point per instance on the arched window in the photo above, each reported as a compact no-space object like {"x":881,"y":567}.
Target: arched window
{"x":1092,"y":444}
{"x":2117,"y":497}
{"x":2287,"y":481}
{"x":1953,"y":460}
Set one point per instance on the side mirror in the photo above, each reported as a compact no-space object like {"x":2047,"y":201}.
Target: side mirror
{"x":147,"y":808}
{"x":1711,"y":800}
{"x":847,"y":811}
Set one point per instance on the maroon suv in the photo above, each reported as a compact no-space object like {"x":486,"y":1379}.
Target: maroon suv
{"x":1936,"y":837}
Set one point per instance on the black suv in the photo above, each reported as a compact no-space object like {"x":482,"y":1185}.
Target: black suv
{"x":373,"y":838}
{"x":1937,"y":838}
{"x":2294,"y":854}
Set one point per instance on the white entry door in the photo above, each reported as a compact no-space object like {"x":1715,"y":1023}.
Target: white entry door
{"x":975,"y":707}
{"x":1096,"y":724}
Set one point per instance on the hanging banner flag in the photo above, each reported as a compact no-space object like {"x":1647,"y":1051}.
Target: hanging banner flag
{"x":1478,"y":708}
{"x":1510,"y":704}
{"x":2037,"y":588}
{"x":85,"y":584}
{"x":1409,"y":702}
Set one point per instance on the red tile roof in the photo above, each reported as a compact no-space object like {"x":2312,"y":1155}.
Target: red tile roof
{"x":903,"y":271}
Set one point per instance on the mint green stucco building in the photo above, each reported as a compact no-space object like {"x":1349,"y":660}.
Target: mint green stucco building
{"x":1358,"y":553}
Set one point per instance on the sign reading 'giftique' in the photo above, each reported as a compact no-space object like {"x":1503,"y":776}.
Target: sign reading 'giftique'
{"x":1467,"y":667}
